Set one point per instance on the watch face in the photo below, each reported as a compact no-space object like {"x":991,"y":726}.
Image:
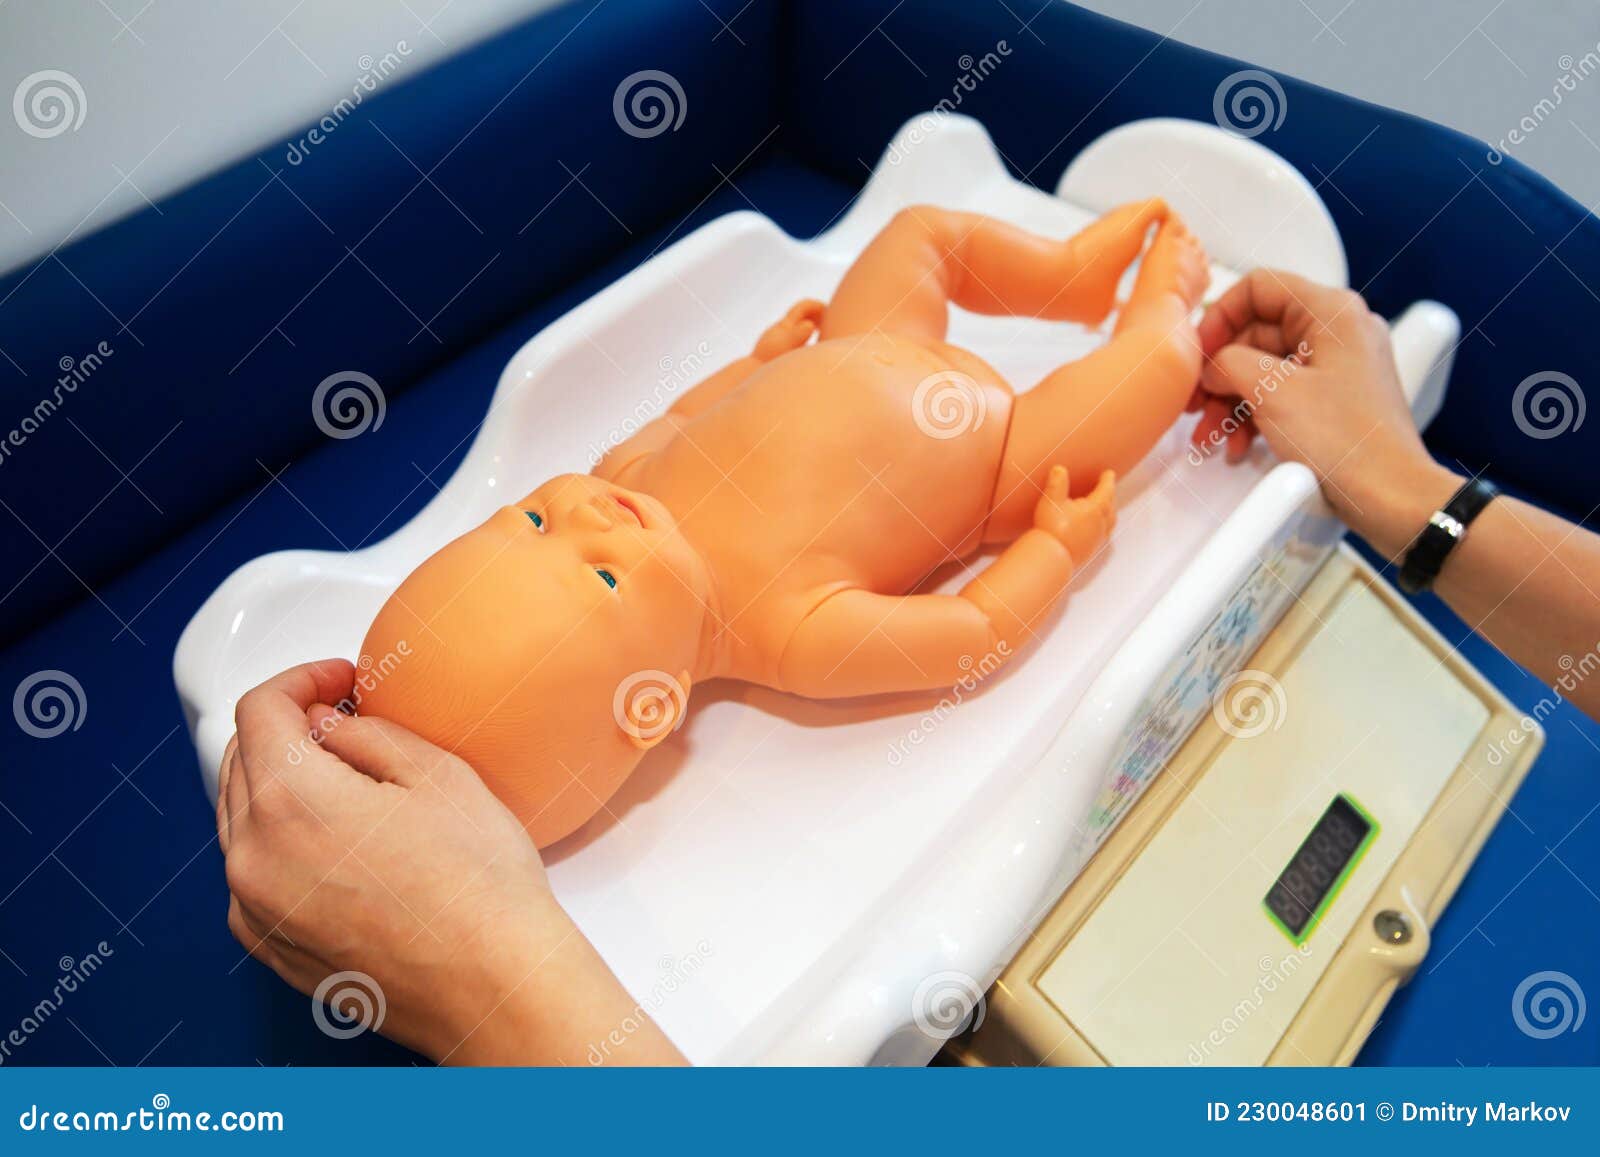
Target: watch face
{"x":1438,"y":538}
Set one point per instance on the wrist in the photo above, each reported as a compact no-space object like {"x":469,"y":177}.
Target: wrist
{"x":541,"y":995}
{"x":499,"y":996}
{"x":1392,"y":506}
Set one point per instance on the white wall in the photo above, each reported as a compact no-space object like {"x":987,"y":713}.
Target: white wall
{"x":173,"y":89}
{"x":1479,"y":66}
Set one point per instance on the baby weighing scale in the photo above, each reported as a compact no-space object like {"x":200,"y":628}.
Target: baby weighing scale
{"x":1278,"y":879}
{"x":829,"y":866}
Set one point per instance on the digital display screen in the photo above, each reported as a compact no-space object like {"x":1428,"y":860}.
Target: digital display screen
{"x":1318,"y":866}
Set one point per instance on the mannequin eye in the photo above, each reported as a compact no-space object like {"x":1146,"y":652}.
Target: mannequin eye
{"x":533,"y":517}
{"x":608,"y":578}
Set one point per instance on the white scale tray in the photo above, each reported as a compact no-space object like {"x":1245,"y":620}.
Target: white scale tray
{"x":775,"y":886}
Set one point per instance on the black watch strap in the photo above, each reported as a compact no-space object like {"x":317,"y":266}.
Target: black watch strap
{"x":1445,"y":529}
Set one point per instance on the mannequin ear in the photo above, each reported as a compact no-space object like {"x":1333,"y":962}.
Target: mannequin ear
{"x":650,"y":705}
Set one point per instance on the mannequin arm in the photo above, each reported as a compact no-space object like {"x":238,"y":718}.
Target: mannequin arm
{"x":790,"y":332}
{"x":859,"y":643}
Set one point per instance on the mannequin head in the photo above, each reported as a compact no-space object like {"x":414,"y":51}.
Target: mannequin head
{"x":550,"y":648}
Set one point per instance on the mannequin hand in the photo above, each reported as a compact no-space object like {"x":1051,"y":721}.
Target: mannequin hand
{"x":792,"y":332}
{"x":1082,"y":525}
{"x":363,"y":847}
{"x":1316,"y":372}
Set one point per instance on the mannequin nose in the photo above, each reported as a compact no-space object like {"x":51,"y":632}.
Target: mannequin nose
{"x":590,"y":516}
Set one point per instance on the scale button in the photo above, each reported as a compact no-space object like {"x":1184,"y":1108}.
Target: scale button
{"x":1392,"y":926}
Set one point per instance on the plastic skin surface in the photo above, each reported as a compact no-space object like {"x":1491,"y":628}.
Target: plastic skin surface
{"x":772,"y":526}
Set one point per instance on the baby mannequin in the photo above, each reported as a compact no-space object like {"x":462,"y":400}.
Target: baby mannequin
{"x":770,"y":527}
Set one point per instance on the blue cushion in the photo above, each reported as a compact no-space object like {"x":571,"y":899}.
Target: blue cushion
{"x":223,"y":311}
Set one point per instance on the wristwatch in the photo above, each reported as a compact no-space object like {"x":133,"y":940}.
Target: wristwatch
{"x":1445,"y":529}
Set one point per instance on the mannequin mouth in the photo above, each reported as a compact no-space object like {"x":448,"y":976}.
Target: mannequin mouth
{"x":630,"y":510}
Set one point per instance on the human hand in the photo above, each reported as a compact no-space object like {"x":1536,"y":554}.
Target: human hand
{"x":352,"y":844}
{"x":792,"y":331}
{"x":1082,"y":525}
{"x":1312,"y":370}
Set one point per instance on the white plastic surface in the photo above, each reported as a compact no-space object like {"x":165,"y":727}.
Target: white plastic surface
{"x":1251,"y":206}
{"x":789,"y":880}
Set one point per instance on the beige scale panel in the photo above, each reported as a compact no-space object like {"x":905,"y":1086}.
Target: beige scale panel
{"x":1163,"y":952}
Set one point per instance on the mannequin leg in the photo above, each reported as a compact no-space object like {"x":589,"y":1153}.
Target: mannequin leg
{"x":1105,"y":411}
{"x":926,"y":259}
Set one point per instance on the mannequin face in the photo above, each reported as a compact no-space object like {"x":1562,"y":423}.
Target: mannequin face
{"x":550,"y":647}
{"x":612,"y":551}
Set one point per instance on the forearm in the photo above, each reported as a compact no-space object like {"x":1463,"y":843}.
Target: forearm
{"x":1017,"y":588}
{"x":540,"y":994}
{"x":1525,"y":579}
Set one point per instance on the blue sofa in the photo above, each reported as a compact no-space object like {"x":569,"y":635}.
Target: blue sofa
{"x":451,"y":217}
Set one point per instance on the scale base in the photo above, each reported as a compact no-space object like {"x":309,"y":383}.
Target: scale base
{"x":1164,"y":952}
